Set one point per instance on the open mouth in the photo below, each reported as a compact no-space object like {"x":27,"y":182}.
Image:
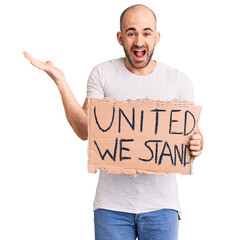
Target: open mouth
{"x":140,"y":53}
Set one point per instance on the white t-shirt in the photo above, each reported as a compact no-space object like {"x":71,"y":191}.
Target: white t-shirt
{"x":145,"y":192}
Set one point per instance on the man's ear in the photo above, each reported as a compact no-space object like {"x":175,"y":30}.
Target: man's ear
{"x":157,"y":38}
{"x":119,"y":38}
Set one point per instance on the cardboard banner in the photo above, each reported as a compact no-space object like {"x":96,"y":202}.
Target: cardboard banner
{"x":140,"y":136}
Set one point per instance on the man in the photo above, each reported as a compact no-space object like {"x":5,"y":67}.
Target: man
{"x":126,"y":207}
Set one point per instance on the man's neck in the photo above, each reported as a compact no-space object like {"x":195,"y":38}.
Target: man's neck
{"x":143,"y":71}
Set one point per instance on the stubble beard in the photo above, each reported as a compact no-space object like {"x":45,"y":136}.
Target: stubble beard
{"x":131,"y":62}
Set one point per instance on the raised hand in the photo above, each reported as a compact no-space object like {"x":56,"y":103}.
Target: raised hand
{"x":55,"y":73}
{"x":76,"y":115}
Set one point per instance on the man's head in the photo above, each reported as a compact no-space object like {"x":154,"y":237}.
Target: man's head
{"x":138,"y":36}
{"x":137,"y":5}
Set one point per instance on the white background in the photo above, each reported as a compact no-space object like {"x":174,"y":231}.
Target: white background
{"x":45,"y":190}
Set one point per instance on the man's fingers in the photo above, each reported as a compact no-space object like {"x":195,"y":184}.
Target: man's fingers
{"x":195,"y":153}
{"x":194,"y":142}
{"x":38,"y":65}
{"x":35,"y":62}
{"x":195,"y":148}
{"x":195,"y":137}
{"x":29,"y":57}
{"x":195,"y":145}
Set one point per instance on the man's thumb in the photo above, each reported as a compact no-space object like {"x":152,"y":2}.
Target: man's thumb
{"x":50,"y":63}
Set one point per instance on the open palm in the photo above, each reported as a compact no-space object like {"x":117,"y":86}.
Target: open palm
{"x":55,"y":73}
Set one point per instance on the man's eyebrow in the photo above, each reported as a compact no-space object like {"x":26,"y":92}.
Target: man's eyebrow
{"x":133,"y":29}
{"x":148,"y":29}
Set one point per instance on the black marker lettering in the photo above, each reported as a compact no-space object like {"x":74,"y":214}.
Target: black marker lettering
{"x":185,"y":154}
{"x":132,"y":125}
{"x":107,"y":151}
{"x":141,"y":121}
{"x":177,"y":152}
{"x":170,"y":122}
{"x":185,"y":123}
{"x":123,"y":148}
{"x":165,"y":154}
{"x":96,"y":120}
{"x":152,"y":154}
{"x":157,"y":118}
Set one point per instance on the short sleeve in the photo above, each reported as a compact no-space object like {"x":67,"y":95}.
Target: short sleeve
{"x":187,"y":90}
{"x":94,"y":84}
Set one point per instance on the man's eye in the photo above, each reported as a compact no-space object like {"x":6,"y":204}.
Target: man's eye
{"x":131,"y":34}
{"x":147,"y":34}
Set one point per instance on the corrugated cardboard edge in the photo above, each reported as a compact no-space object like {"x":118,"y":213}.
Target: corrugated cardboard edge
{"x":92,"y":168}
{"x":176,"y":102}
{"x":88,"y":145}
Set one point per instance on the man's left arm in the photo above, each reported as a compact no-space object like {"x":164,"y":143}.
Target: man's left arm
{"x":187,"y":93}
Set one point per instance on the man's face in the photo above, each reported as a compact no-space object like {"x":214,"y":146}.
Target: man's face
{"x":138,"y":37}
{"x":138,"y":53}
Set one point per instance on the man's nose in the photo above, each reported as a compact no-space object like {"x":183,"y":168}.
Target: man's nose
{"x":139,"y":41}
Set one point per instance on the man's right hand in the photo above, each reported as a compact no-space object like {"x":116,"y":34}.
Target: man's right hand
{"x":76,"y":115}
{"x":55,"y":73}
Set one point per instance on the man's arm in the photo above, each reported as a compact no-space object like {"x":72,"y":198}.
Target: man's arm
{"x":76,"y":115}
{"x":196,"y":140}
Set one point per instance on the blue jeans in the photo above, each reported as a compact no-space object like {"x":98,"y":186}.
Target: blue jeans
{"x":156,"y":225}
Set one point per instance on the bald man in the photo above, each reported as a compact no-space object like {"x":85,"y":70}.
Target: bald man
{"x":127,"y":207}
